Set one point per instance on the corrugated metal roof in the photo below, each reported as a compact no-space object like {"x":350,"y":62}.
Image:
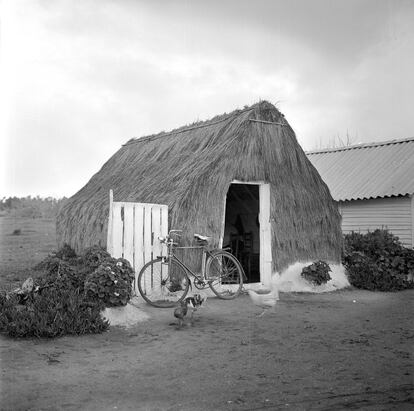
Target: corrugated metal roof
{"x":367,"y":170}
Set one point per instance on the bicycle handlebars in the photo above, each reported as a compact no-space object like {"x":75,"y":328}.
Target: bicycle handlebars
{"x":168,"y":240}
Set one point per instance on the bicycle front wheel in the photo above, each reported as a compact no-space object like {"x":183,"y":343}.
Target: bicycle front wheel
{"x":163,"y":283}
{"x":225,"y":275}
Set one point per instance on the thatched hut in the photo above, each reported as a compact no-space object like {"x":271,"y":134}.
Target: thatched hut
{"x":241,"y":178}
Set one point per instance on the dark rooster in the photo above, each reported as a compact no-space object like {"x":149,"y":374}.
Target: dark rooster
{"x":190,"y":303}
{"x":180,"y":312}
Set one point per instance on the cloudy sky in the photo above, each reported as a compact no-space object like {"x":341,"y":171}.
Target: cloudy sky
{"x":80,"y":78}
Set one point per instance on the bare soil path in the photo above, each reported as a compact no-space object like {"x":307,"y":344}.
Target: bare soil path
{"x":316,"y":351}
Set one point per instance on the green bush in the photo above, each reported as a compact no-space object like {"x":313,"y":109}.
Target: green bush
{"x":53,"y":312}
{"x":378,"y":261}
{"x":65,"y":266}
{"x":68,"y":295}
{"x":363,"y":272}
{"x":60,"y":271}
{"x":111,"y":282}
{"x":66,"y":253}
{"x":60,"y":264}
{"x":94,"y":256}
{"x":317,"y":273}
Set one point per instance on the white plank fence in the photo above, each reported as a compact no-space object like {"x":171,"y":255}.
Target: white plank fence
{"x":133,"y":231}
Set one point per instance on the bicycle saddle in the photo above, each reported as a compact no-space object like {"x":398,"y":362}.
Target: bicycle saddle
{"x":201,"y":237}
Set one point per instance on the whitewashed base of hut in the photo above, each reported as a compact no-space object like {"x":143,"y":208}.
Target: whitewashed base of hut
{"x":125,"y":316}
{"x":290,"y":280}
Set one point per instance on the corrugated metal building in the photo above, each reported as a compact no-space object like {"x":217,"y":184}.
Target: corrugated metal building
{"x":373,"y":184}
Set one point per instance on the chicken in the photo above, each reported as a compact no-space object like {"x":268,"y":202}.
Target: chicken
{"x":265,"y":298}
{"x":190,"y":303}
{"x":180,"y":312}
{"x":194,"y":303}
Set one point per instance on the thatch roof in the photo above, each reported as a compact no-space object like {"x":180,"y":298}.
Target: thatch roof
{"x":190,"y":169}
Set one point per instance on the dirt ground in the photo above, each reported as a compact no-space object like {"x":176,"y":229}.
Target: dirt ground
{"x":348,"y":349}
{"x":316,"y":351}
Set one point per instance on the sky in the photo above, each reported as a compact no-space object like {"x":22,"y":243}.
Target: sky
{"x":80,"y":78}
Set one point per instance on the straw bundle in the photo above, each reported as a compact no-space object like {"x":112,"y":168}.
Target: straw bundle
{"x":190,"y":169}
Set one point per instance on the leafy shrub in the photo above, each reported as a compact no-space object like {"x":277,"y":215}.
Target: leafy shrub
{"x":94,"y":256}
{"x":66,"y":267}
{"x":60,"y":271}
{"x":53,"y":312}
{"x":68,"y":295}
{"x":8,"y":307}
{"x":317,"y":273}
{"x":377,"y":244}
{"x":66,"y":253}
{"x":111,"y":282}
{"x":378,"y":261}
{"x":364,"y":272}
{"x":59,"y":261}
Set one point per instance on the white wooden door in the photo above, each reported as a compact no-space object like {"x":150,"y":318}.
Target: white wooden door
{"x":134,"y":230}
{"x":265,"y":262}
{"x":265,"y":235}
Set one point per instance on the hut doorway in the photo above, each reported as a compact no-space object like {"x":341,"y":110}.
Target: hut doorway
{"x":245,"y":228}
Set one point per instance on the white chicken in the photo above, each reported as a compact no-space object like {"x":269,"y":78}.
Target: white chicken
{"x":265,"y":298}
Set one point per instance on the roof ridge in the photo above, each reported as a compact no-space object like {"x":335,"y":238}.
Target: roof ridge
{"x":361,"y":145}
{"x":204,"y":123}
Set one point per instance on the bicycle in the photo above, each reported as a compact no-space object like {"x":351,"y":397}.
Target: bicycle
{"x":164,"y":281}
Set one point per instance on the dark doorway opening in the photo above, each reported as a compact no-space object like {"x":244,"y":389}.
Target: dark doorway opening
{"x":242,"y":229}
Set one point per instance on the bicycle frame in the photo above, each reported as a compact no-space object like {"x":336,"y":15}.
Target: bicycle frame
{"x":206,"y":253}
{"x":165,"y":280}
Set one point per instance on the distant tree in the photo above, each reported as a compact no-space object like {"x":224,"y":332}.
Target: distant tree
{"x":336,"y":142}
{"x":33,"y":207}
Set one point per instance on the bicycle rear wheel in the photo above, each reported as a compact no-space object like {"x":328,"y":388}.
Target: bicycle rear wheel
{"x":163,"y":283}
{"x":225,"y":275}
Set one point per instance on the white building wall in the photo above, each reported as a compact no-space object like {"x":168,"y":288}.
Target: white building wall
{"x":395,"y":214}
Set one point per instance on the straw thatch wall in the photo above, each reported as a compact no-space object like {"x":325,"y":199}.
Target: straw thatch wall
{"x":190,"y":169}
